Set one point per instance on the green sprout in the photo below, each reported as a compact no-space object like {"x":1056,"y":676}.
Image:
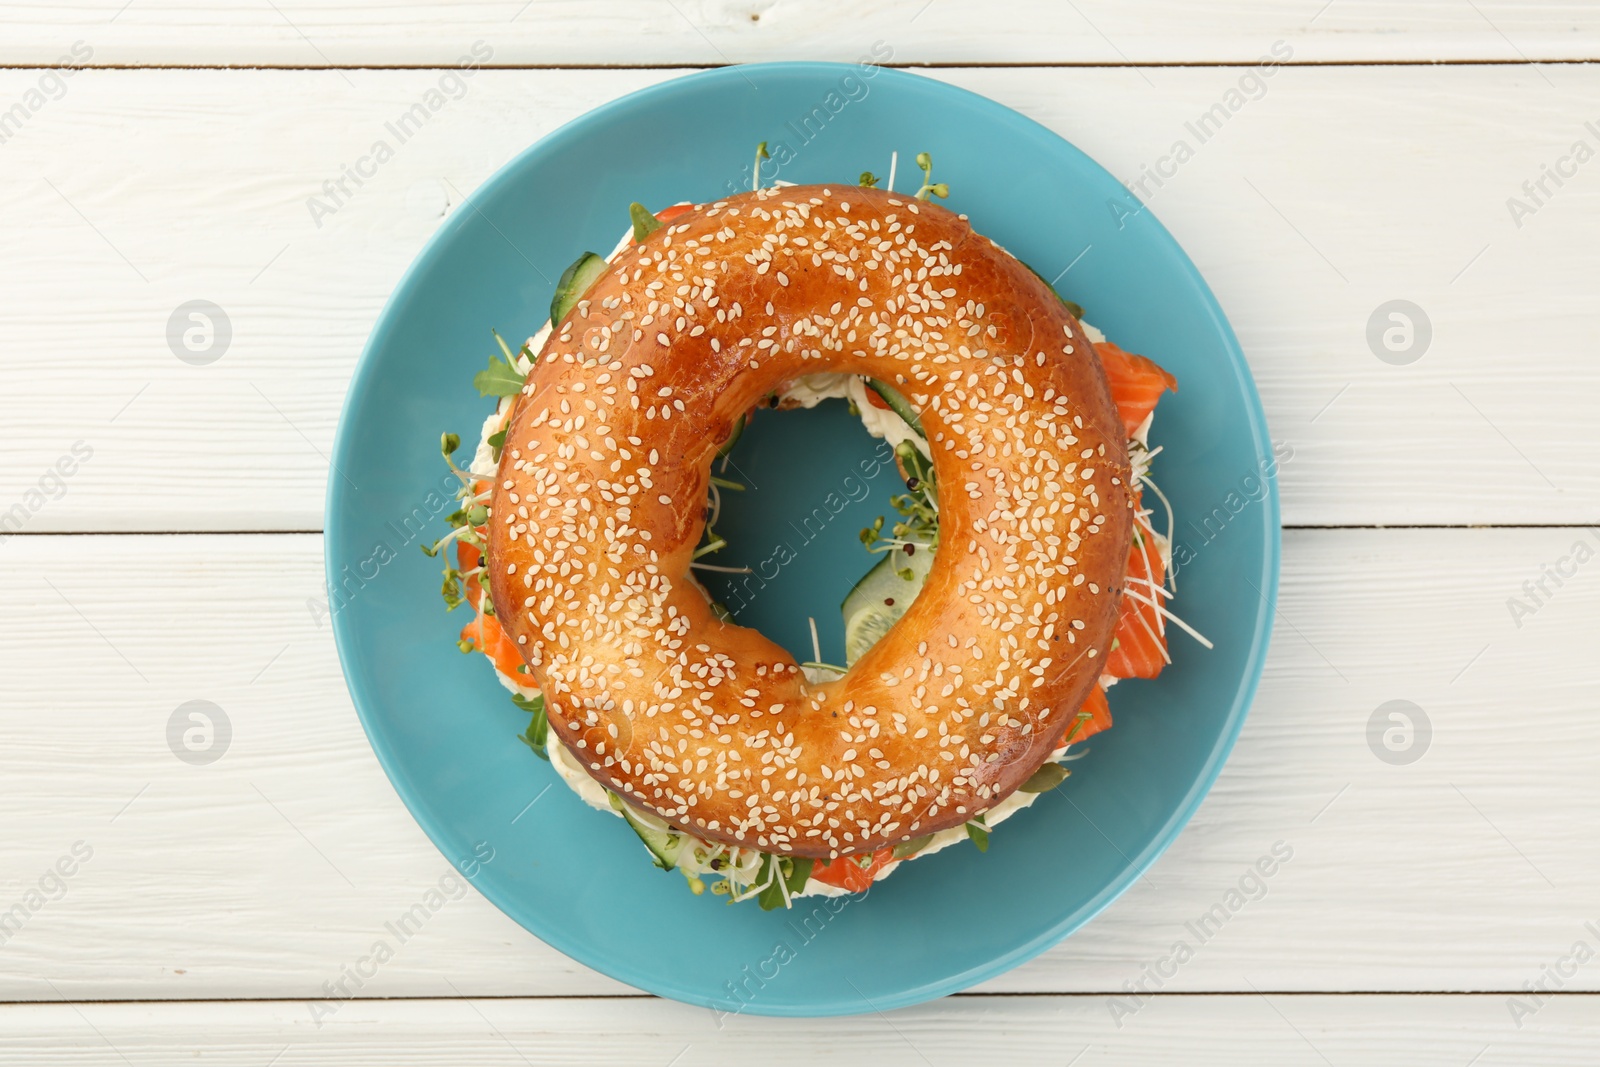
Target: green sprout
{"x":761,"y":153}
{"x":918,"y":527}
{"x":941,"y":190}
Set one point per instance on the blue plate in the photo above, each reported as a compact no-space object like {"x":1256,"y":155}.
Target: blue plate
{"x":445,"y":731}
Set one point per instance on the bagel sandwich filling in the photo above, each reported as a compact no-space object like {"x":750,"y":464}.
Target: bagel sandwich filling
{"x":1020,"y":575}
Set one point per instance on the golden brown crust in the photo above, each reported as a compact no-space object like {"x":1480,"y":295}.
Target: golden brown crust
{"x":599,"y":504}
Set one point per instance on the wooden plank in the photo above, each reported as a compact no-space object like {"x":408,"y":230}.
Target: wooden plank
{"x":1234,"y":1030}
{"x":1337,"y":191}
{"x":540,"y":32}
{"x":264,"y":873}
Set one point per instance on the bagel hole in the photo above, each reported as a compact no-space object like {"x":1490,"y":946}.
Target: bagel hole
{"x":814,"y":478}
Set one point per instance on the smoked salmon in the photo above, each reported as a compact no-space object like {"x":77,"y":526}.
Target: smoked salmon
{"x":1136,"y":383}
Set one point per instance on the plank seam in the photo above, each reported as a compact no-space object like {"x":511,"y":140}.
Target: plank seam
{"x":1581,"y":524}
{"x":931,"y":65}
{"x":1073,"y":995}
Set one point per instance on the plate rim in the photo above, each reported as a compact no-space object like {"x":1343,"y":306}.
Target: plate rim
{"x":414,"y":798}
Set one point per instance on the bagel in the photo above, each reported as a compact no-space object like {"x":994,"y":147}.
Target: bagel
{"x":597,"y":507}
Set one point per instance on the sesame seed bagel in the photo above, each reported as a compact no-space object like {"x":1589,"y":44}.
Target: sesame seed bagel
{"x":599,"y":504}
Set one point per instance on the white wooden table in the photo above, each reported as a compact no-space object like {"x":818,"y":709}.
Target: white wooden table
{"x":1426,"y":497}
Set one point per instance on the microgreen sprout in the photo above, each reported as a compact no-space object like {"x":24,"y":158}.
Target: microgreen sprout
{"x":755,"y":178}
{"x":928,"y":189}
{"x":466,"y":523}
{"x":713,"y":541}
{"x":869,"y":180}
{"x":1077,"y":724}
{"x":721,"y":570}
{"x":451,"y":589}
{"x":918,"y":528}
{"x":715,"y":545}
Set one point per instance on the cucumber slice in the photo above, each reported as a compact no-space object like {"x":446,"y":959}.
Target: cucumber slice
{"x":733,"y":437}
{"x":898,"y":404}
{"x":644,"y":221}
{"x":907,"y":849}
{"x":664,"y":845}
{"x":1046,"y":778}
{"x":575,"y":281}
{"x":868,"y":613}
{"x":1072,"y":305}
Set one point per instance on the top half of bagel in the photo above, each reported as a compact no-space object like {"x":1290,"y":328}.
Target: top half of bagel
{"x":598,"y":506}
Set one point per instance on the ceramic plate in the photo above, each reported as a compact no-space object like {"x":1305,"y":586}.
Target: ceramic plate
{"x":445,"y":731}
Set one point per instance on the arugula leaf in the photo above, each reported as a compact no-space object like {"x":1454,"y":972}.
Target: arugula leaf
{"x":500,"y":378}
{"x":979,"y":835}
{"x":1046,"y":778}
{"x":537,"y":736}
{"x":793,"y":872}
{"x":799,"y":874}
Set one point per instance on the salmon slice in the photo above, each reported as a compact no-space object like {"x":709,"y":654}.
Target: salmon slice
{"x":1099,"y":710}
{"x":485,"y":631}
{"x":1136,"y":383}
{"x":1140,"y":637}
{"x":845,"y":873}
